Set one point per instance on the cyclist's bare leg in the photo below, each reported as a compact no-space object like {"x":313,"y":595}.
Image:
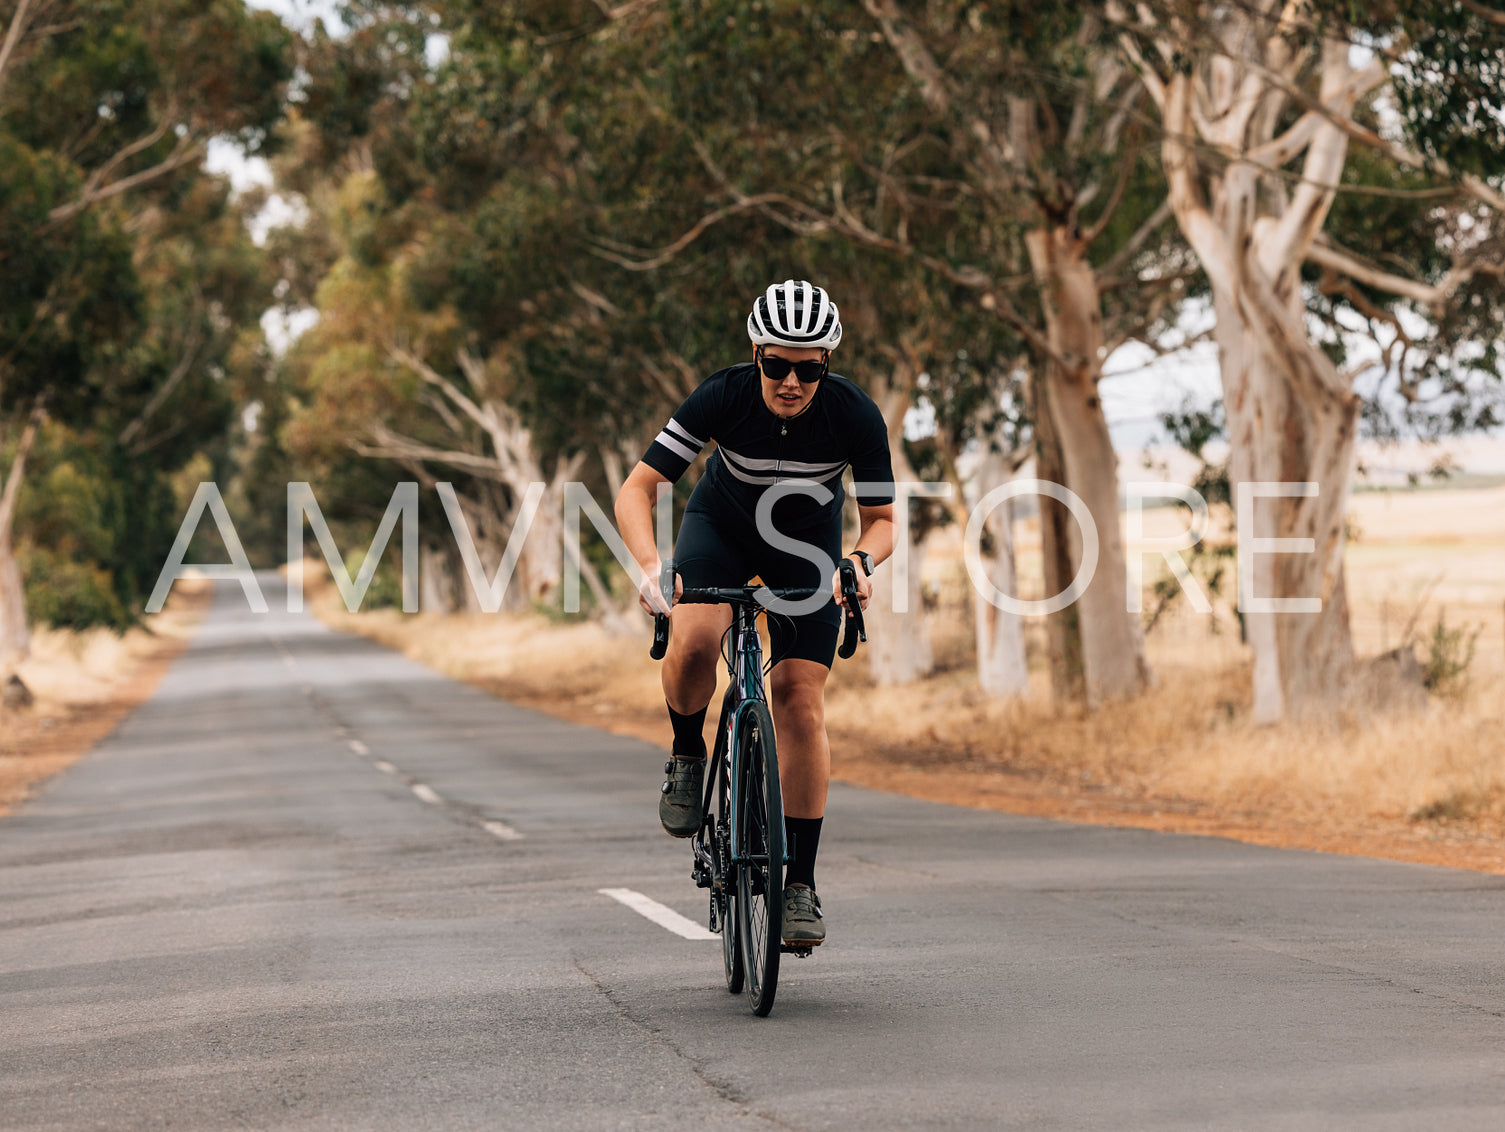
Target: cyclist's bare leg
{"x":689,"y":670}
{"x":798,"y":690}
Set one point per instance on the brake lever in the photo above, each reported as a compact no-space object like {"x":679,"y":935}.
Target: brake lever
{"x":854,"y":620}
{"x":661,"y":620}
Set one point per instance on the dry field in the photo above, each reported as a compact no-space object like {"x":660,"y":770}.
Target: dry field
{"x":84,"y":684}
{"x":1423,"y":783}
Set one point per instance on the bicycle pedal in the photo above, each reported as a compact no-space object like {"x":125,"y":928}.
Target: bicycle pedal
{"x":797,"y":952}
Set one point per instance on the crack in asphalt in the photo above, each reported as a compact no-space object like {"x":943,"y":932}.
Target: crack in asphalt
{"x":1356,"y":973}
{"x":724,"y":1090}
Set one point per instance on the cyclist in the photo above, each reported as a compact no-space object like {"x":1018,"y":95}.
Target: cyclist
{"x":768,"y":504}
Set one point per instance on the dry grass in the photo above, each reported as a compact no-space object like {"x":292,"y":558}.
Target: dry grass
{"x":1425,"y":783}
{"x":84,"y":684}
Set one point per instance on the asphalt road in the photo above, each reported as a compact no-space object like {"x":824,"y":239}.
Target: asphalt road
{"x":313,"y":885}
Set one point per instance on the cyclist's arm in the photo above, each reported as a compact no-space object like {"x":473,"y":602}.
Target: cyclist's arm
{"x":876,"y":537}
{"x":876,"y":533}
{"x":873,"y":473}
{"x":634,"y":511}
{"x":668,"y":457}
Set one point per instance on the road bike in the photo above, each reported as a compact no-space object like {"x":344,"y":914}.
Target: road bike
{"x":741,"y":848}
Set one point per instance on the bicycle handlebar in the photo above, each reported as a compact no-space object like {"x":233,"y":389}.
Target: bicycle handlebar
{"x":661,"y":620}
{"x":854,"y":611}
{"x":732,"y":595}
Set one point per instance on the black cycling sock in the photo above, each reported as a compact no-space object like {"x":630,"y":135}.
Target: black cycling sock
{"x":806,"y":834}
{"x":689,"y":739}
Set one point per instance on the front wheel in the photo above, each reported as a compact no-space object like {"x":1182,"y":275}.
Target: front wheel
{"x":723,"y":885}
{"x":759,"y":856}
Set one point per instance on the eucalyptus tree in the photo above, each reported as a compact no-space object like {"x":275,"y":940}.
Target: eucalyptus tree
{"x":105,"y":112}
{"x":465,"y":334}
{"x":482,"y":318}
{"x":1337,"y":170}
{"x":998,"y":147}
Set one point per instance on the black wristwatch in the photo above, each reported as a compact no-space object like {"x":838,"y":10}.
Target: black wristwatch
{"x":866,"y":559}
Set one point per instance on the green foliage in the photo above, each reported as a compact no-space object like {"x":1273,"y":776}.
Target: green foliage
{"x":1442,"y":375}
{"x":74,"y":524}
{"x":130,"y":284}
{"x":1192,"y":429}
{"x":1450,"y":653}
{"x":385,"y":591}
{"x":68,"y":294}
{"x":67,"y":593}
{"x":1449,"y":79}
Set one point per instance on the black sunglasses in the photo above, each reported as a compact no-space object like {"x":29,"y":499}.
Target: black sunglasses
{"x":777,"y":369}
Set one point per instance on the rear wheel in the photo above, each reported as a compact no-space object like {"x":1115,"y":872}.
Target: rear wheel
{"x":760,"y":856}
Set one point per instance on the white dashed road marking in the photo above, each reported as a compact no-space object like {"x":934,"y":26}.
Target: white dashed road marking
{"x":427,"y":794}
{"x":501,"y":831}
{"x":658,"y":913}
{"x":359,"y":748}
{"x":386,"y":767}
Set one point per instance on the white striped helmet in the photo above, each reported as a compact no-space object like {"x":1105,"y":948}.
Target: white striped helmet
{"x":795,"y":313}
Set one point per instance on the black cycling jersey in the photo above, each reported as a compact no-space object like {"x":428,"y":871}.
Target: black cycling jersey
{"x":756,"y":449}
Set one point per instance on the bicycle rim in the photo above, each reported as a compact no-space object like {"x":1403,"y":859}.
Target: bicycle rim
{"x":760,"y":873}
{"x":725,"y":895}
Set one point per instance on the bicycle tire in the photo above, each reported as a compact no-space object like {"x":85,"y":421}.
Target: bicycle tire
{"x":723,"y":890}
{"x":760,"y":853}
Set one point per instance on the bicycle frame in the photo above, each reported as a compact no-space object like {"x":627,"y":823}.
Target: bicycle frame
{"x":713,"y":844}
{"x":746,"y":672}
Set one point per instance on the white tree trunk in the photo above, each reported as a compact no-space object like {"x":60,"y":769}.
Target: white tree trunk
{"x":1291,"y":416}
{"x":1063,"y":629}
{"x":1301,"y":660}
{"x":436,"y":587}
{"x":15,"y":627}
{"x":1113,"y":659}
{"x":899,"y":649}
{"x":1001,"y":665}
{"x":15,"y":630}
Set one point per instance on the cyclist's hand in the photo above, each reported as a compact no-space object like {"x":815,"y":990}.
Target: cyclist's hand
{"x":650,"y":597}
{"x":864,"y":587}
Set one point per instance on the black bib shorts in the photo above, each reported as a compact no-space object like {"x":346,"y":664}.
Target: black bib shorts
{"x":715,"y":548}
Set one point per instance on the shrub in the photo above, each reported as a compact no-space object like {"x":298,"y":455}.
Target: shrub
{"x":1450,"y":652}
{"x":69,"y":594}
{"x":386,"y":583}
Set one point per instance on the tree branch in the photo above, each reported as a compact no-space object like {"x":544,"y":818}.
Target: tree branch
{"x":1196,"y":220}
{"x":1326,"y":253}
{"x":1493,"y":15}
{"x":668,"y":252}
{"x":159,"y":398}
{"x":935,"y":89}
{"x":386,"y":444}
{"x":13,"y":36}
{"x":427,"y":372}
{"x":1136,"y":241}
{"x":1126,"y":172}
{"x":915,"y":57}
{"x":181,"y":155}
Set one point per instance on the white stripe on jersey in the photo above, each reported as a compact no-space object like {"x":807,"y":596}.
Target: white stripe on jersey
{"x":684,"y":432}
{"x":748,"y":477}
{"x":675,"y":446}
{"x":781,"y":465}
{"x":745,"y":478}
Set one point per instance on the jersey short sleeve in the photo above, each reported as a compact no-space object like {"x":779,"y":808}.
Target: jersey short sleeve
{"x":872,"y":466}
{"x":689,"y":429}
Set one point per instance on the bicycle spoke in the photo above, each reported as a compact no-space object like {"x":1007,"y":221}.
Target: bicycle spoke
{"x":759,"y":857}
